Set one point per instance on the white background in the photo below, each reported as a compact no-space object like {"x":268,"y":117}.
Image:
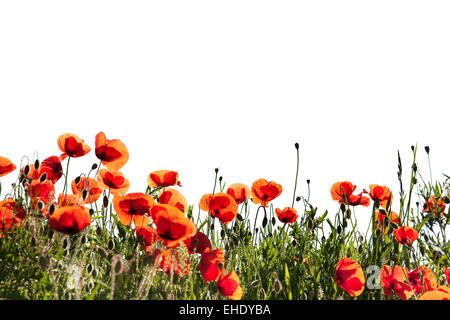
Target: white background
{"x":194,"y":85}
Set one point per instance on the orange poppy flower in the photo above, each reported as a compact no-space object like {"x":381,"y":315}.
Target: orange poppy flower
{"x":434,"y":207}
{"x":220,"y":205}
{"x":163,"y":178}
{"x":52,"y":167}
{"x":73,"y":146}
{"x":198,"y":243}
{"x":113,"y":153}
{"x":350,"y":276}
{"x":423,"y":281}
{"x":174,"y":198}
{"x":115,"y":181}
{"x":70,"y":219}
{"x":287,"y":215}
{"x":263,"y":191}
{"x":149,"y":236}
{"x":133,"y":207}
{"x":343,"y":192}
{"x":395,"y":280}
{"x":172,"y":225}
{"x":69,"y":200}
{"x":239,"y":191}
{"x":11,"y":214}
{"x":94,"y":190}
{"x":382,"y":194}
{"x":6,"y":166}
{"x":380,"y":217}
{"x":442,"y":293}
{"x":209,"y":264}
{"x":406,"y":235}
{"x":169,"y":261}
{"x":229,"y":286}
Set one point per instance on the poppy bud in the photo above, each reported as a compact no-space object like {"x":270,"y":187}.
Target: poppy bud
{"x":277,"y":286}
{"x":222,"y":233}
{"x":36,"y":164}
{"x":414,"y":167}
{"x":412,"y":148}
{"x":33,"y":242}
{"x":117,"y":264}
{"x":360,"y":249}
{"x":216,"y":170}
{"x":84,"y":239}
{"x":212,"y":226}
{"x":296,"y":146}
{"x":342,"y":207}
{"x":427,"y":149}
{"x":339,"y":229}
{"x":94,"y":166}
{"x":105,"y":201}
{"x":98,"y":231}
{"x":66,"y":243}
{"x":264,"y":222}
{"x":273,"y":221}
{"x":94,"y":272}
{"x":85,"y":194}
{"x":40,"y":205}
{"x":308,"y":181}
{"x":294,"y":243}
{"x":102,"y":252}
{"x":297,"y":199}
{"x":44,"y":261}
{"x":256,"y":230}
{"x":239,"y":217}
{"x":310,"y":224}
{"x":425,"y":237}
{"x":394,"y":258}
{"x":377,"y":233}
{"x":77,"y":180}
{"x":111,"y":244}
{"x":91,"y":211}
{"x":220,"y":178}
{"x":26,"y":171}
{"x":89,"y":268}
{"x":43,"y":177}
{"x":51,"y":209}
{"x":394,"y":225}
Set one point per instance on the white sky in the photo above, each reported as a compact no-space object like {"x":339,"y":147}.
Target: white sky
{"x":194,"y":85}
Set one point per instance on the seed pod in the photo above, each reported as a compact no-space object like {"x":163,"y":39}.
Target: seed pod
{"x":51,"y":209}
{"x":339,"y":229}
{"x":77,"y":180}
{"x":94,"y":166}
{"x":26,"y":171}
{"x":36,"y":164}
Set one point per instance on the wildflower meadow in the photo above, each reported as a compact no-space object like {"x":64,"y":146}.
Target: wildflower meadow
{"x":69,"y":235}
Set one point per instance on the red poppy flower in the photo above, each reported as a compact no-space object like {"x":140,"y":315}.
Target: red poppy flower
{"x":382,"y":194}
{"x":229,"y":286}
{"x":163,"y":178}
{"x":174,"y":198}
{"x":52,"y":167}
{"x":380,"y":217}
{"x":263,"y":191}
{"x":133,"y":207}
{"x":113,"y":153}
{"x":148,"y":234}
{"x":70,"y":219}
{"x":435,"y":207}
{"x":169,"y":260}
{"x":11,"y":214}
{"x":343,"y":192}
{"x":115,"y":181}
{"x":422,"y":279}
{"x":447,"y":274}
{"x":94,"y":190}
{"x":172,"y":225}
{"x":44,"y":191}
{"x":198,"y":243}
{"x":350,"y":276}
{"x":239,"y":191}
{"x":287,"y":215}
{"x":406,"y":235}
{"x":211,"y":264}
{"x":395,"y":280}
{"x":6,"y":166}
{"x":73,"y":146}
{"x":220,"y":205}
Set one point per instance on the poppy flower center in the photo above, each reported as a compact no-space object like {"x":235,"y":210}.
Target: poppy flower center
{"x":107,"y":154}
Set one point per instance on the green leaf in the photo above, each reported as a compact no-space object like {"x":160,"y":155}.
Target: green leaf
{"x":287,"y":280}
